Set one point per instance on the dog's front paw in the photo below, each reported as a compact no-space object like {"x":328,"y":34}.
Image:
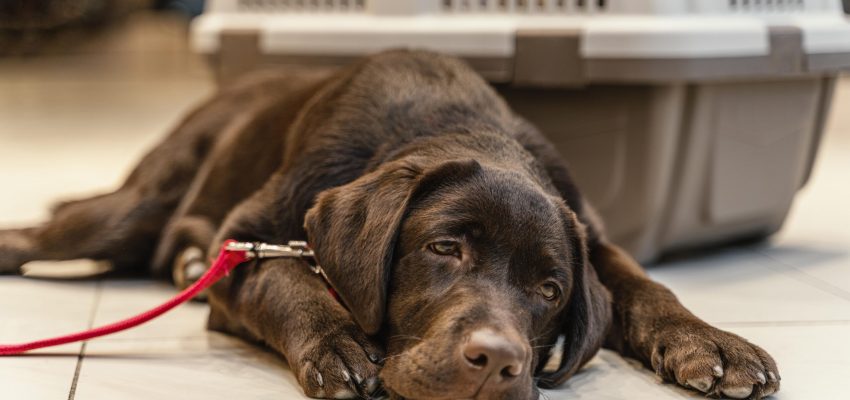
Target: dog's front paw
{"x":15,"y":250}
{"x":341,"y":364}
{"x":715,"y":362}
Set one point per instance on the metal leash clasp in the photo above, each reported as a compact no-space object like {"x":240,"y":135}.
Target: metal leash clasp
{"x":293,"y":249}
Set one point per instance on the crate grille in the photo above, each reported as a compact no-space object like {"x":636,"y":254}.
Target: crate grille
{"x":766,"y":6}
{"x":301,"y":5}
{"x":526,"y":6}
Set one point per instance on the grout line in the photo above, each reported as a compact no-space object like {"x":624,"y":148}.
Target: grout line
{"x":805,"y":277}
{"x":95,"y":304}
{"x":77,"y":369}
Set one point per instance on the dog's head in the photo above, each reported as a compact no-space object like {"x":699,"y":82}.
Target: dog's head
{"x":472,"y":272}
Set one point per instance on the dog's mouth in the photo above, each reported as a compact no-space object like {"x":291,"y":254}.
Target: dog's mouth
{"x":410,"y":376}
{"x":386,"y":393}
{"x":393,"y":395}
{"x":435,"y":370}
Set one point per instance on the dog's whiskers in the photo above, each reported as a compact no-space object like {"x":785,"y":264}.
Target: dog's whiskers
{"x":543,"y":379}
{"x":408,"y":337}
{"x":540,"y":336}
{"x":389,"y":357}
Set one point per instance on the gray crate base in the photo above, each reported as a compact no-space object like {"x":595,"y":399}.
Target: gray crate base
{"x":672,"y":161}
{"x":677,"y":166}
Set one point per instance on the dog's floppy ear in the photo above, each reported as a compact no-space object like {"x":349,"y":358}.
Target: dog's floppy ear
{"x":353,"y":229}
{"x":586,"y":319}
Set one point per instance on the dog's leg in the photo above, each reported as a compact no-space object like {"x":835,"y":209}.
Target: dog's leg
{"x":125,"y":226}
{"x":249,"y":150}
{"x":651,"y":325}
{"x":122,"y":226}
{"x":16,"y":248}
{"x":281,"y":303}
{"x":247,"y":153}
{"x":649,"y":322}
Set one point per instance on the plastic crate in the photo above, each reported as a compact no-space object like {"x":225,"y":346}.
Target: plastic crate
{"x":685,"y":122}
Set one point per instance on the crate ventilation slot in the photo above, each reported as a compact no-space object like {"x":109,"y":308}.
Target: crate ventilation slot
{"x":525,"y":6}
{"x":302,"y":5}
{"x":766,"y":5}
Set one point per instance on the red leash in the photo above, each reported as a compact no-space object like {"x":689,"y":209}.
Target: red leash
{"x":230,"y":256}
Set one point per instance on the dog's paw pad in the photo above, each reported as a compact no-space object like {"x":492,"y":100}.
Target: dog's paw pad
{"x":345,"y":394}
{"x":741,"y":392}
{"x":715,"y":362}
{"x":702,"y":384}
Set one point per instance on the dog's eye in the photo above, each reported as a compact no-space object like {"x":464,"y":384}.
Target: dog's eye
{"x":445,"y":248}
{"x":549,"y":291}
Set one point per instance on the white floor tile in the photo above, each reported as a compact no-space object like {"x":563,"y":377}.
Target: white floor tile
{"x":99,"y":146}
{"x":122,"y":299}
{"x":610,"y":377}
{"x":820,"y":213}
{"x":824,"y":265}
{"x":36,"y":377}
{"x":741,"y":284}
{"x":36,"y":309}
{"x":33,"y":310}
{"x":212,"y":367}
{"x":814,"y":361}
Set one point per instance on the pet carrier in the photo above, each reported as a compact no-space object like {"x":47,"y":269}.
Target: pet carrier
{"x":685,"y":122}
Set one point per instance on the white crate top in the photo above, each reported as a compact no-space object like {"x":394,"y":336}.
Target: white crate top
{"x":419,"y":7}
{"x":608,"y":28}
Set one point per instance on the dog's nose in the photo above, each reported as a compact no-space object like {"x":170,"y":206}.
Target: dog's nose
{"x":488,"y":352}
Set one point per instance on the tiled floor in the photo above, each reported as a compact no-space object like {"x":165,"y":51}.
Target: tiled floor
{"x":73,"y":123}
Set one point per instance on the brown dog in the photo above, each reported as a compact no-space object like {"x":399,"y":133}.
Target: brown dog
{"x":448,"y":225}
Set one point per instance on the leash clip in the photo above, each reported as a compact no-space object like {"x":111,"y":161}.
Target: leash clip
{"x":293,"y":249}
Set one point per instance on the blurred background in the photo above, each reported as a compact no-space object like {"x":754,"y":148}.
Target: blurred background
{"x":713,"y":136}
{"x":687,"y":123}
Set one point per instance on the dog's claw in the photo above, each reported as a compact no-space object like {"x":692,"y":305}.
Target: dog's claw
{"x":718,"y":371}
{"x":371,"y":385}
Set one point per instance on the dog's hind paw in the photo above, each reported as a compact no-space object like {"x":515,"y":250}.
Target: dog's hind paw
{"x":714,"y":362}
{"x":342,"y":364}
{"x":15,"y":250}
{"x":188,"y":267}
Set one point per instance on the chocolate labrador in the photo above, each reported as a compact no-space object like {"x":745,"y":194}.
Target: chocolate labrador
{"x":467,"y":263}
